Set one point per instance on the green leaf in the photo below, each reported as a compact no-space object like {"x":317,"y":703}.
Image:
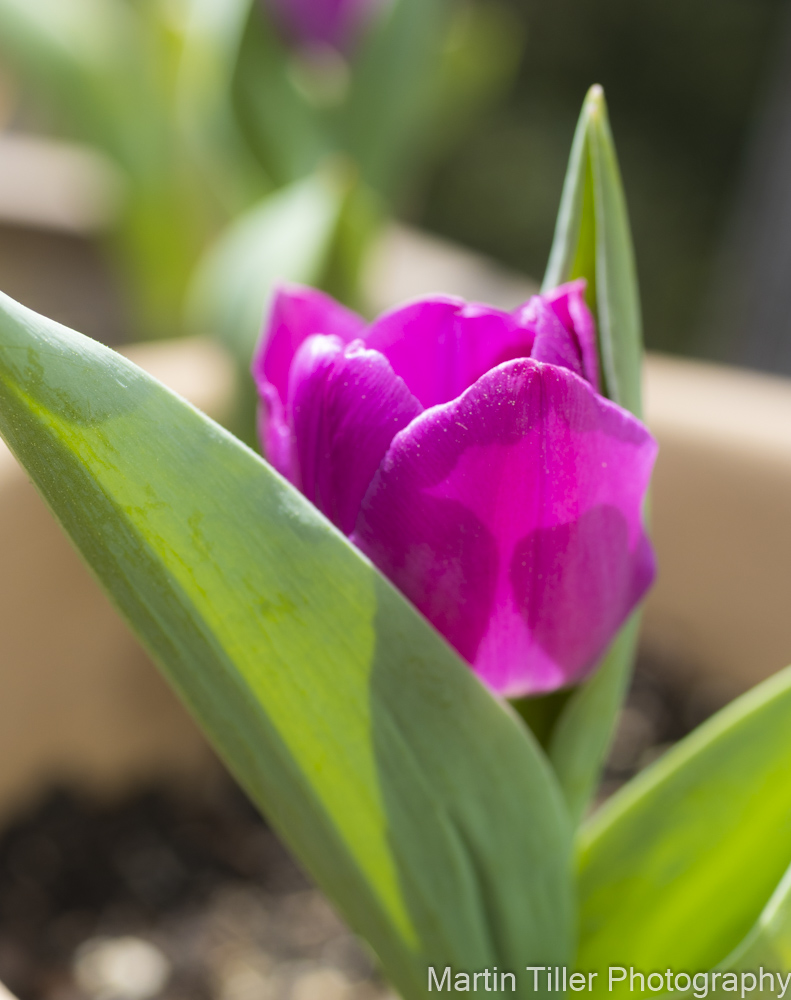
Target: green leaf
{"x":573,"y":251}
{"x":581,"y":737}
{"x":768,"y":945}
{"x":418,"y":802}
{"x":593,"y":241}
{"x":287,"y":236}
{"x":677,"y":867}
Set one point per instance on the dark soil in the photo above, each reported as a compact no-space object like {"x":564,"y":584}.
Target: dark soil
{"x":206,"y":883}
{"x":205,"y":886}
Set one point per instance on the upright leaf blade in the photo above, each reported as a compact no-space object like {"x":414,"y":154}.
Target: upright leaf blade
{"x":416,"y":800}
{"x":581,"y":736}
{"x":617,"y":295}
{"x":593,"y":241}
{"x":277,"y":105}
{"x":677,"y":867}
{"x":573,"y":251}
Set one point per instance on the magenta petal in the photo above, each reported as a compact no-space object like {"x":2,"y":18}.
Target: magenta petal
{"x":296,"y":313}
{"x":511,"y":517}
{"x":553,"y":344}
{"x":346,"y":405}
{"x":568,"y":303}
{"x":440,"y":346}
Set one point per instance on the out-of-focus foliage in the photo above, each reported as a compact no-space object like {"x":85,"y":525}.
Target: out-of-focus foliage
{"x":684,"y":79}
{"x":206,"y":109}
{"x":673,"y":844}
{"x":105,"y":72}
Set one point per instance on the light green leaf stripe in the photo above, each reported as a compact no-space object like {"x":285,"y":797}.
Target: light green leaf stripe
{"x":677,"y":867}
{"x":765,"y":953}
{"x":419,"y":803}
{"x":768,"y":945}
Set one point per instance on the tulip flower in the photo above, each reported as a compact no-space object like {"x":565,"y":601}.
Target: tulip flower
{"x":469,"y":454}
{"x":333,"y":23}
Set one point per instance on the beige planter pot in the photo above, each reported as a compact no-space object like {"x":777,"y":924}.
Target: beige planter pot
{"x":80,"y":702}
{"x":722,"y":500}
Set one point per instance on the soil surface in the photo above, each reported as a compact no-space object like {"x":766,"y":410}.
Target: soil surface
{"x":161,"y":897}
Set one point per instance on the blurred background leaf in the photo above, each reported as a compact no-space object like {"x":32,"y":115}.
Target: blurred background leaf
{"x":695,"y":89}
{"x":686,"y":80}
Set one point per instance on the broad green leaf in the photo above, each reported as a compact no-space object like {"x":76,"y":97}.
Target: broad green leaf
{"x":287,"y":236}
{"x":677,"y":867}
{"x":765,"y":953}
{"x":418,"y":802}
{"x":581,"y":737}
{"x":593,"y":241}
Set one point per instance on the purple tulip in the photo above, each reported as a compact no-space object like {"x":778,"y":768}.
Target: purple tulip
{"x":468,"y":453}
{"x":334,"y":23}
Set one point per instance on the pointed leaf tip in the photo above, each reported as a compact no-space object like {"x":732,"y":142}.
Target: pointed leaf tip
{"x":594,"y":99}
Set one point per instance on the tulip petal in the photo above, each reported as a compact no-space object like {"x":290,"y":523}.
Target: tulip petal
{"x":565,"y":333}
{"x":511,"y":517}
{"x":568,"y":303}
{"x":346,"y":405}
{"x":296,"y":314}
{"x":441,"y":345}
